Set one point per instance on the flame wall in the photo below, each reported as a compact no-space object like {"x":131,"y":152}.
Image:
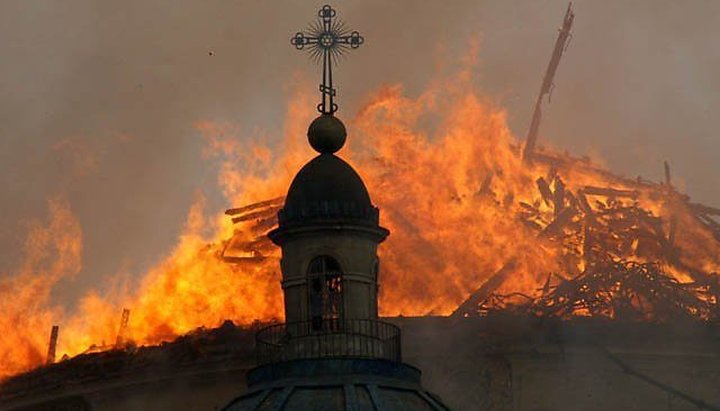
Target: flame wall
{"x":425,"y":160}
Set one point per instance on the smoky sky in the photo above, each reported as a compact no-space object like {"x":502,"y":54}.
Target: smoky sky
{"x":99,"y":99}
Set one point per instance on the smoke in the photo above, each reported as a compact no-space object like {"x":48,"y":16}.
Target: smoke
{"x":101,"y":101}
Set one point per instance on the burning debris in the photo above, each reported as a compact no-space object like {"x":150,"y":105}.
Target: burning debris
{"x":615,"y":289}
{"x":619,"y":259}
{"x":262,"y":217}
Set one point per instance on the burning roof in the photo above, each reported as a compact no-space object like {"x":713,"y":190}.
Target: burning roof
{"x":473,"y":226}
{"x":618,"y":259}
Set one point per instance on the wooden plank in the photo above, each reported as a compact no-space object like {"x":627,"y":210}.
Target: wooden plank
{"x":470,"y":305}
{"x":563,"y":218}
{"x":254,"y":206}
{"x":545,"y":191}
{"x":610,"y":192}
{"x":257,"y":215}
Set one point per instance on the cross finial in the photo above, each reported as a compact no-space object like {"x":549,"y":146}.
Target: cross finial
{"x":327,"y":38}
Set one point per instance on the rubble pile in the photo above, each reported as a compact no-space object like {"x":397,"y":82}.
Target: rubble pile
{"x":635,"y":251}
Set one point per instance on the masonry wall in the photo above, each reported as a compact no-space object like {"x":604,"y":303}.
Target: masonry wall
{"x":513,"y":365}
{"x":473,"y":364}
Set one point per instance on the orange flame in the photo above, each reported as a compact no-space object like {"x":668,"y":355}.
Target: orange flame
{"x":52,"y":252}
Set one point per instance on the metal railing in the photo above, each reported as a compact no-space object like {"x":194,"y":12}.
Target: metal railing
{"x":359,"y":338}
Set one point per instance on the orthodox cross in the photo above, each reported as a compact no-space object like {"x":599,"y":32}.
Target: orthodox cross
{"x":328,"y":39}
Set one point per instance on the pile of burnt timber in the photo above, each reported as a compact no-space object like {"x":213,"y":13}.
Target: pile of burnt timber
{"x":227,"y":345}
{"x":615,"y":289}
{"x":619,"y":259}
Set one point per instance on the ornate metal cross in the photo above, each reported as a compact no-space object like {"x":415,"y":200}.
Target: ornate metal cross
{"x":327,"y":38}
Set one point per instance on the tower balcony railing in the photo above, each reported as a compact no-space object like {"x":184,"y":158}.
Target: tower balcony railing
{"x":334,"y":338}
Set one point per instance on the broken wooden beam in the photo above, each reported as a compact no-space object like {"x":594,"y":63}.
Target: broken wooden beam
{"x":124,"y":317}
{"x":254,"y":206}
{"x":548,"y":82}
{"x":268,"y":212}
{"x":562,"y":219}
{"x":52,"y":346}
{"x":545,"y":191}
{"x":559,"y":197}
{"x":610,"y":192}
{"x":471,"y":304}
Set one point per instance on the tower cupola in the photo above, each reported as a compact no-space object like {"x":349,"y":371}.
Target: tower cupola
{"x":329,"y":231}
{"x":332,"y":352}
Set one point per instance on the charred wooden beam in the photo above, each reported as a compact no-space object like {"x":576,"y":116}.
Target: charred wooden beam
{"x":52,"y":346}
{"x":124,"y":318}
{"x":272,"y":202}
{"x":265,"y":225}
{"x":562,"y":219}
{"x":254,"y":250}
{"x":548,"y":82}
{"x":259,"y":245}
{"x":545,"y":190}
{"x":268,"y":212}
{"x":471,"y":304}
{"x":584,"y":204}
{"x":610,"y":192}
{"x":559,"y":197}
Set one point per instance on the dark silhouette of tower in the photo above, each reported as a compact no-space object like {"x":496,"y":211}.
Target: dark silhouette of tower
{"x":333,"y":353}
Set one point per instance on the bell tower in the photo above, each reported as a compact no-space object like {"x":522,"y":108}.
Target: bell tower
{"x":328,"y":228}
{"x":329,"y":234}
{"x":333,"y":352}
{"x":329,"y":231}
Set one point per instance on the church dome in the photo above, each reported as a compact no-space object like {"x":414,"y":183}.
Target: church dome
{"x":338,"y":384}
{"x":327,"y":188}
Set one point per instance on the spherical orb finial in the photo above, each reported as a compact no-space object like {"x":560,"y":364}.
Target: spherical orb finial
{"x":327,"y":134}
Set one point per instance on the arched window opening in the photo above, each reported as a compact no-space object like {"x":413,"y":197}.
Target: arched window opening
{"x":326,"y":302}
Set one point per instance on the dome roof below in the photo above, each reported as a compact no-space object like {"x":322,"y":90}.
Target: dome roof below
{"x":327,"y":178}
{"x":327,"y":188}
{"x":329,"y":385}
